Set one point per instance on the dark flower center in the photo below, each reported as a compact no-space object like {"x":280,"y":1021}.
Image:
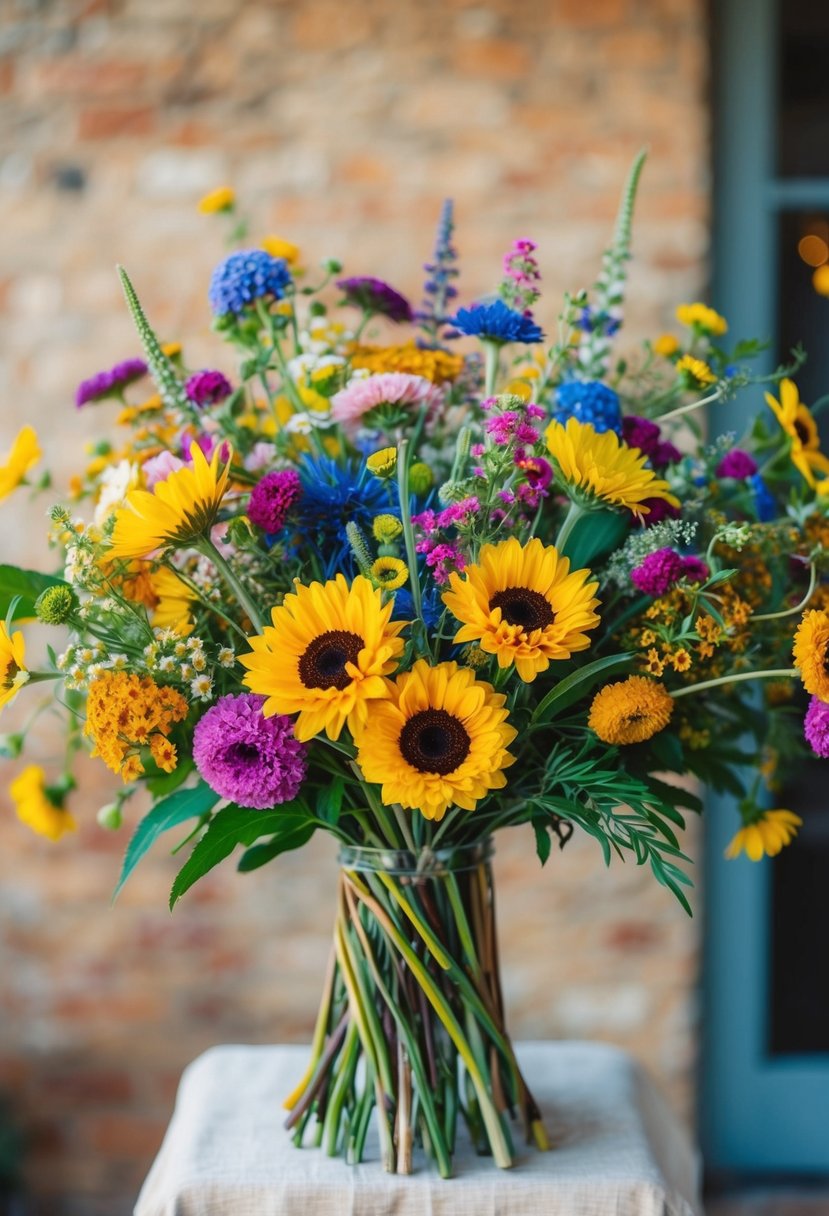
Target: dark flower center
{"x":433,"y":741}
{"x":523,"y":607}
{"x":243,"y":754}
{"x":802,"y":431}
{"x":323,"y":663}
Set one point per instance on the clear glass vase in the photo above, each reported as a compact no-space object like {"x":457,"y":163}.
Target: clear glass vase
{"x":411,"y":1023}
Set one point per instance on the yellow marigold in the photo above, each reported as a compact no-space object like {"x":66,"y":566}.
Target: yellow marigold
{"x":695,"y":371}
{"x":435,"y":365}
{"x":126,"y":712}
{"x":39,"y":806}
{"x":23,"y":454}
{"x":221,"y":199}
{"x":700,"y":316}
{"x":811,"y":652}
{"x":599,"y":466}
{"x":277,"y":247}
{"x":631,"y":710}
{"x":765,"y":836}
{"x":665,"y":345}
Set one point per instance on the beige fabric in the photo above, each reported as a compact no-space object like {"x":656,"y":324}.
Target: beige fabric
{"x":618,"y":1151}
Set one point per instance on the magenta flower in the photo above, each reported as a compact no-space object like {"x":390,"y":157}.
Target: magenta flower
{"x":272,"y":498}
{"x":659,"y":510}
{"x":360,"y":397}
{"x":640,"y":433}
{"x":737,"y":464}
{"x":207,"y":443}
{"x":816,"y":727}
{"x":375,"y":296}
{"x":110,"y":383}
{"x":254,"y":761}
{"x":208,"y":388}
{"x":658,"y":572}
{"x":695,"y":569}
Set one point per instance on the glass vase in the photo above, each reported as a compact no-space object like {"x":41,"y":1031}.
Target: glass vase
{"x":411,"y":1025}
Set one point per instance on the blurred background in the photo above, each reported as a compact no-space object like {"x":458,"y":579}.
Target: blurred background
{"x":342,"y":125}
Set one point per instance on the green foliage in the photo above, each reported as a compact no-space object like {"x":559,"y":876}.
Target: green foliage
{"x":577,"y":685}
{"x":596,"y":535}
{"x":25,"y":586}
{"x":186,"y":804}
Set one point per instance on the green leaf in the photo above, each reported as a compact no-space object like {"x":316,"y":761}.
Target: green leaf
{"x":331,"y":800}
{"x":183,"y":805}
{"x":27,"y":585}
{"x":164,"y":783}
{"x":543,"y":843}
{"x":231,"y":826}
{"x":595,"y":535}
{"x":577,"y":685}
{"x":261,"y":854}
{"x":673,"y":796}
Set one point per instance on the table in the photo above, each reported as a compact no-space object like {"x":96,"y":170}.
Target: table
{"x":617,"y":1148}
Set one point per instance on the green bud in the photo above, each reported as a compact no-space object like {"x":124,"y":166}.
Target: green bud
{"x":317,"y":309}
{"x":420,"y":478}
{"x":239,"y":533}
{"x":331,"y":265}
{"x":56,"y":605}
{"x":110,"y":816}
{"x":11,"y":746}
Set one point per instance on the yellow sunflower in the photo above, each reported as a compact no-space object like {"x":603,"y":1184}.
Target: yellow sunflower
{"x":601,"y":467}
{"x":440,"y":740}
{"x":631,"y":710}
{"x":326,"y":656}
{"x":24,"y":452}
{"x":40,"y":808}
{"x":796,"y":420}
{"x":811,"y":652}
{"x":13,"y":673}
{"x":523,"y":604}
{"x":171,"y":609}
{"x":701,"y":317}
{"x":177,"y":513}
{"x":695,"y":372}
{"x":766,"y":836}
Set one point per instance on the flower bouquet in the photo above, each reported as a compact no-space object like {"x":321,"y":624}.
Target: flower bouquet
{"x":411,"y":591}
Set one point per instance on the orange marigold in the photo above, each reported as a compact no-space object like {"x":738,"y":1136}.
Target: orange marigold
{"x":125,"y":713}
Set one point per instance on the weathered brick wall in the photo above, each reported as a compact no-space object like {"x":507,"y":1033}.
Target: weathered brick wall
{"x":343,"y":124}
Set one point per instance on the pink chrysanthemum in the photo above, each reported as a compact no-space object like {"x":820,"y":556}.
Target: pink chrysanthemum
{"x":360,"y":397}
{"x":816,"y":727}
{"x":272,"y":498}
{"x":658,"y":572}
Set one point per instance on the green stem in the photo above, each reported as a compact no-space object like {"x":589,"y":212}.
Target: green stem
{"x":403,"y":461}
{"x":221,"y":563}
{"x":692,"y":405}
{"x":492,"y":351}
{"x":785,"y":673}
{"x":574,"y":514}
{"x":776,"y":616}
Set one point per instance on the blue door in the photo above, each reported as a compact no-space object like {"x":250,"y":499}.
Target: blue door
{"x":765,"y":1055}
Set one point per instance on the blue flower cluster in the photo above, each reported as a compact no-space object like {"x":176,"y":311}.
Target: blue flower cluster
{"x":244,"y":277}
{"x":332,"y":495}
{"x":589,"y":401}
{"x":497,"y":322}
{"x":764,"y":502}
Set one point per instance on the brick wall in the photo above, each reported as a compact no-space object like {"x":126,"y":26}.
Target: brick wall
{"x":343,"y":125}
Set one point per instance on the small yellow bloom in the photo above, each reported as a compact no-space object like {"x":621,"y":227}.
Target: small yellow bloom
{"x":13,"y":673}
{"x":695,"y":371}
{"x":389,"y":573}
{"x":383,"y":464}
{"x":631,"y":710}
{"x":38,"y":807}
{"x":766,"y":836}
{"x":519,"y":388}
{"x":277,"y":247}
{"x":386,"y":528}
{"x":796,"y":420}
{"x":221,"y":199}
{"x":172,"y":350}
{"x":681,"y":660}
{"x":654,"y":665}
{"x":435,"y":365}
{"x":23,"y":454}
{"x":811,"y":652}
{"x":700,"y":316}
{"x":665,"y":345}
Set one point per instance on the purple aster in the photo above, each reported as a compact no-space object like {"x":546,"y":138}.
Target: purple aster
{"x":640,"y":433}
{"x":737,"y":464}
{"x":496,"y":322}
{"x":816,"y":727}
{"x":272,"y":498}
{"x":244,"y":277}
{"x":695,"y":569}
{"x":254,"y":761}
{"x":208,"y":388}
{"x":110,"y":383}
{"x":658,"y":572}
{"x":375,"y":296}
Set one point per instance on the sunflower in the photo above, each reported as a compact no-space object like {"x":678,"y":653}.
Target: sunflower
{"x":440,"y":739}
{"x":13,"y":673}
{"x":179,"y":511}
{"x":796,"y":420}
{"x":631,"y":710}
{"x":38,"y":806}
{"x":601,"y":467}
{"x":765,"y":836}
{"x":523,"y":604}
{"x":811,"y":652}
{"x":24,"y":452}
{"x":326,"y":656}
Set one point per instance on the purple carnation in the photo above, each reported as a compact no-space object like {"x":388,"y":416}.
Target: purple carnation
{"x":254,"y":761}
{"x":695,"y":569}
{"x":640,"y":433}
{"x":208,"y":388}
{"x":658,"y":572}
{"x":373,"y":295}
{"x":110,"y":383}
{"x":665,"y":453}
{"x":737,"y":464}
{"x":659,"y":510}
{"x":816,"y":727}
{"x":272,"y":498}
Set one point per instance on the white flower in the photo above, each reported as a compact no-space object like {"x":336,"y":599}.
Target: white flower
{"x":199,"y":661}
{"x":201,"y":687}
{"x":166,"y":665}
{"x":227,"y":656}
{"x":187,"y":671}
{"x":114,"y":484}
{"x":299,"y":424}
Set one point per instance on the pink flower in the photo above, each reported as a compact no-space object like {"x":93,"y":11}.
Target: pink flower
{"x":658,"y":572}
{"x":386,"y":388}
{"x":158,"y":468}
{"x":442,"y":560}
{"x":261,"y":456}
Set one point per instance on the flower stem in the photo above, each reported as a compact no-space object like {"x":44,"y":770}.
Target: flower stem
{"x":784,"y":673}
{"x":491,"y":352}
{"x":691,"y":406}
{"x":776,"y":616}
{"x":221,"y":563}
{"x":574,"y":514}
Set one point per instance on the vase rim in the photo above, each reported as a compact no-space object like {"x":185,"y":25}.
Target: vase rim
{"x":454,"y":859}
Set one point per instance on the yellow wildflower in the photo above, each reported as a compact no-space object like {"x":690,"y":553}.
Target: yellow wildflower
{"x":221,"y":199}
{"x":389,"y":573}
{"x":383,"y":464}
{"x":600,"y":468}
{"x":124,"y":713}
{"x":665,"y":345}
{"x":23,"y":454}
{"x":695,"y":371}
{"x":631,"y":710}
{"x":700,"y":316}
{"x":386,"y":528}
{"x":796,"y":420}
{"x":435,"y":365}
{"x":38,"y":806}
{"x":277,"y":247}
{"x":13,"y":673}
{"x":765,"y":836}
{"x":681,"y":660}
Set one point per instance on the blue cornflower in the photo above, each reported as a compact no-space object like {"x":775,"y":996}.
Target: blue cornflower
{"x":764,"y":502}
{"x":589,"y":401}
{"x":244,"y":277}
{"x":496,"y":322}
{"x":431,"y":604}
{"x":333,"y":495}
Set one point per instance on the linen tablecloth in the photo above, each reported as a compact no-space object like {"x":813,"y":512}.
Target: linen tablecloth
{"x":617,"y":1148}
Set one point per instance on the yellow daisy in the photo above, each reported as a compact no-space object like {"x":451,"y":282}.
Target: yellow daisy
{"x":523,"y":604}
{"x":441,"y":739}
{"x":178,"y":512}
{"x":631,"y":710}
{"x":796,"y":420}
{"x":326,"y":656}
{"x":695,"y":372}
{"x":766,"y":836}
{"x":24,"y":452}
{"x":221,"y":199}
{"x":601,"y":467}
{"x":277,"y":247}
{"x":665,"y":345}
{"x":13,"y":673}
{"x":40,"y":808}
{"x":701,"y":317}
{"x":811,"y":652}
{"x":389,"y":573}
